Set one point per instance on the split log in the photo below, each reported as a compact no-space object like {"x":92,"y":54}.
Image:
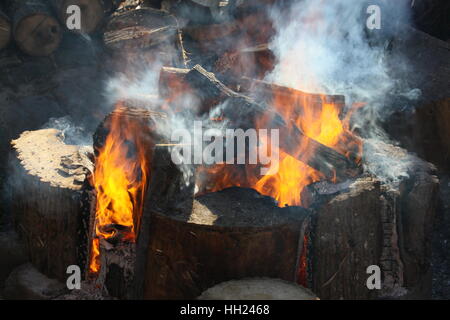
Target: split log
{"x":5,"y":30}
{"x":144,"y":36}
{"x":243,"y":111}
{"x":368,"y":222}
{"x":258,"y":289}
{"x":232,"y":234}
{"x":48,"y":209}
{"x":35,"y":30}
{"x":92,"y":12}
{"x":117,"y":258}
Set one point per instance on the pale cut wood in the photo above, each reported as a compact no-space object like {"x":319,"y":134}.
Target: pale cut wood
{"x":47,"y":199}
{"x":258,"y":289}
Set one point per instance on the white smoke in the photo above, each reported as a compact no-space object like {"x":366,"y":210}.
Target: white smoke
{"x":326,"y":47}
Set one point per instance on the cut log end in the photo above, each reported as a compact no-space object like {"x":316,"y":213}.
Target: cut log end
{"x":38,"y":34}
{"x":258,"y":289}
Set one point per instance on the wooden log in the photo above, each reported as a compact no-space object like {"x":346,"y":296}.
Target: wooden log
{"x":5,"y":30}
{"x":232,"y":234}
{"x":48,"y":209}
{"x":144,"y":36}
{"x":258,"y":289}
{"x":140,"y":28}
{"x":35,"y":30}
{"x":367,"y":222}
{"x":117,"y":257}
{"x":428,"y":59}
{"x":242,"y":111}
{"x":92,"y":12}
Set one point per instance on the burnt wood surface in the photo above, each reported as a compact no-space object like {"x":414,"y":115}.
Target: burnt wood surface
{"x":217,"y":240}
{"x":243,"y":110}
{"x":368,"y":222}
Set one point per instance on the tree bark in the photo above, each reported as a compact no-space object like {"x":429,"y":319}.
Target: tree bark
{"x":232,"y":234}
{"x":48,"y":206}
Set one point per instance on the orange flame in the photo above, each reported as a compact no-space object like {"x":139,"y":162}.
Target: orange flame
{"x":319,"y":119}
{"x":120,"y":181}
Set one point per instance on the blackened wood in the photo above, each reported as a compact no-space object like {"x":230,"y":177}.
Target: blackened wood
{"x":242,"y":110}
{"x":368,"y":221}
{"x":36,"y":31}
{"x":47,"y":183}
{"x":189,"y":252}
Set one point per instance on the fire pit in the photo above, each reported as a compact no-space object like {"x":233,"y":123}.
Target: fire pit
{"x":211,"y":163}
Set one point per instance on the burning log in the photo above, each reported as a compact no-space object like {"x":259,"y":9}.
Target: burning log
{"x":5,"y":30}
{"x":258,"y":289}
{"x":126,"y":138}
{"x":47,"y":200}
{"x":212,"y":92}
{"x":92,"y":12}
{"x":35,"y":30}
{"x":366,"y":222}
{"x":221,"y":236}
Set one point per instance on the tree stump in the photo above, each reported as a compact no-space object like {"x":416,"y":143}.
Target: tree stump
{"x":35,"y":30}
{"x":368,"y":221}
{"x":47,"y":200}
{"x":232,"y":234}
{"x":258,"y":289}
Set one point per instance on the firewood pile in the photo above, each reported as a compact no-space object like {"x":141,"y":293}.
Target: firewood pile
{"x":190,"y":235}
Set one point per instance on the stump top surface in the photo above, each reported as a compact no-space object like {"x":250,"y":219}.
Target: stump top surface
{"x":239,"y":207}
{"x":44,"y":154}
{"x":258,"y":289}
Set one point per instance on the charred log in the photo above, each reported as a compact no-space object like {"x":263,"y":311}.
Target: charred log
{"x":240,"y":107}
{"x":232,"y":234}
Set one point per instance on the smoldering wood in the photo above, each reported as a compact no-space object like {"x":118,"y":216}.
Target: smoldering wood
{"x":258,"y":289}
{"x":231,"y":234}
{"x":366,"y":222}
{"x":240,"y":108}
{"x":48,"y":206}
{"x":36,"y":31}
{"x":5,"y":30}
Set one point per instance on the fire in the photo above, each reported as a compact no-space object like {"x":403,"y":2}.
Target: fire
{"x":319,"y":119}
{"x":120,"y":180}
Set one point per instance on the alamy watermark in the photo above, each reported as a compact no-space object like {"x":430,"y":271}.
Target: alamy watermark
{"x":73,"y":21}
{"x":262,"y":148}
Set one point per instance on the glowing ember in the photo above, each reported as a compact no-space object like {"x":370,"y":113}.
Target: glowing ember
{"x":120,"y":181}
